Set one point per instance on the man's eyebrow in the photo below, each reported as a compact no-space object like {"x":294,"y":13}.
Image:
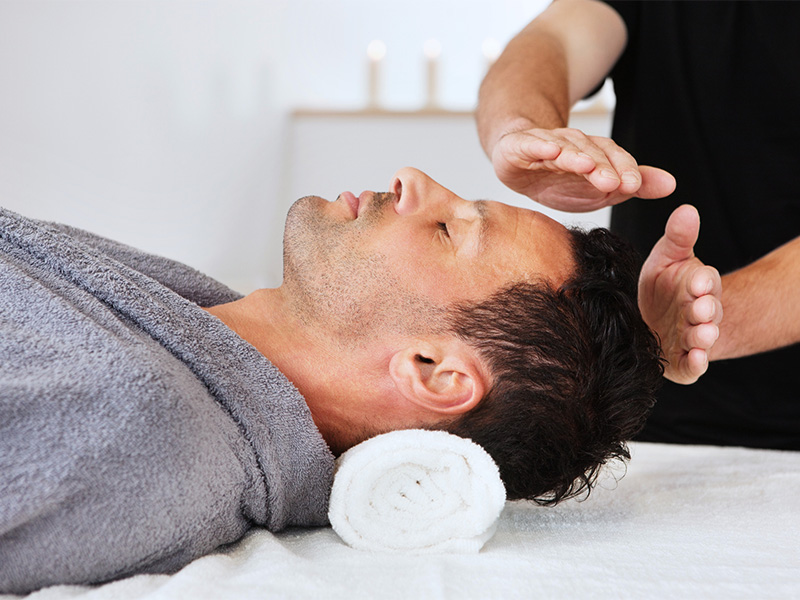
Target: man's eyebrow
{"x":481,"y":209}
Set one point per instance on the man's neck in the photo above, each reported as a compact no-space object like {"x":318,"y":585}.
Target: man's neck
{"x":337,"y":385}
{"x":265,"y":320}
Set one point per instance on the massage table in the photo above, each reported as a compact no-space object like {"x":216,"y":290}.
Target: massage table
{"x":677,"y":522}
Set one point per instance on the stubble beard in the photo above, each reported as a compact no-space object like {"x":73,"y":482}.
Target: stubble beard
{"x":339,"y":286}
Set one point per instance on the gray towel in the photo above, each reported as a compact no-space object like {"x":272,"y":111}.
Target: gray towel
{"x":137,"y":432}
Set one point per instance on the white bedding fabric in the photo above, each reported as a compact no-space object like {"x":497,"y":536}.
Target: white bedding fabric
{"x":684,"y":522}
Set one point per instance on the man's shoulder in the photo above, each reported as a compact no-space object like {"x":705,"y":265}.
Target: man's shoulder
{"x":23,"y":234}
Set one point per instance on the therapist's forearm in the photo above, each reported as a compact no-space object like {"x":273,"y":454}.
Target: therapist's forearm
{"x":559,"y":57}
{"x":527,"y":87}
{"x":761,"y":305}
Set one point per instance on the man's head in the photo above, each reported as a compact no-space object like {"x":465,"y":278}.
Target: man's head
{"x":491,"y":321}
{"x":398,"y":260}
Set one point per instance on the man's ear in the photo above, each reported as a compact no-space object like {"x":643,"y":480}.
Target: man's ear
{"x":444,"y":375}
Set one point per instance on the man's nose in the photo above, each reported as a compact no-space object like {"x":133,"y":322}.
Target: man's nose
{"x":414,"y":190}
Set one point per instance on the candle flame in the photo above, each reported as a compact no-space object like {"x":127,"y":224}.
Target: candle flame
{"x":376,"y":50}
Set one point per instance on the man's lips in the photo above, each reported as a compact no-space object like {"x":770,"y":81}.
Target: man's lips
{"x":351,"y":201}
{"x":354,"y":203}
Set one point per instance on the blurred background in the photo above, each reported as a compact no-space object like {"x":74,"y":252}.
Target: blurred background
{"x":188,"y":127}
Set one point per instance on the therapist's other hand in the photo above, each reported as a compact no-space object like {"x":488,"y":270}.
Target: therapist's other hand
{"x":680,"y":298}
{"x":568,"y":170}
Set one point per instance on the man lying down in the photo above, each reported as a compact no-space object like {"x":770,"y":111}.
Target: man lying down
{"x":149,"y":414}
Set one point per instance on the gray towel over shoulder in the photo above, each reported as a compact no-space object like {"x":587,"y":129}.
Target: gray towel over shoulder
{"x":137,"y":431}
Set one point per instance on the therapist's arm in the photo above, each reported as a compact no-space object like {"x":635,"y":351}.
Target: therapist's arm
{"x":762,"y":305}
{"x":524,"y":105}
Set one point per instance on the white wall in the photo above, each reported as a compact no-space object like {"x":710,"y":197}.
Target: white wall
{"x":165,"y":123}
{"x":151,"y":122}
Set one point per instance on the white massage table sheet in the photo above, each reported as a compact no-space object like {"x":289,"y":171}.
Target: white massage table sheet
{"x":684,"y":522}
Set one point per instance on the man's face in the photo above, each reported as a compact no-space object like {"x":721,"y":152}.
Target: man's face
{"x":397,"y":260}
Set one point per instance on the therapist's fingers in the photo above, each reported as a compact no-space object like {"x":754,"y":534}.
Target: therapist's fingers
{"x":601,"y":153}
{"x":704,"y":313}
{"x":604,"y":164}
{"x":705,"y":280}
{"x":701,"y":336}
{"x":696,"y":364}
{"x":656,"y":183}
{"x":706,"y":309}
{"x":620,"y":161}
{"x":634,"y":180}
{"x":549,"y":148}
{"x":568,"y":150}
{"x":536,"y":148}
{"x":688,"y":368}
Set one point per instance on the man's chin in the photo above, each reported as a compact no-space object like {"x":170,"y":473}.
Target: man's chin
{"x":302,"y":219}
{"x":301,"y":207}
{"x":308,"y":240}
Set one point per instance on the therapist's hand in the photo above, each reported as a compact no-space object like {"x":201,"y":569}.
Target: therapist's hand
{"x":567,"y":170}
{"x":680,"y":297}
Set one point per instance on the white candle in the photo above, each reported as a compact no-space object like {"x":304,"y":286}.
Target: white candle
{"x":432,"y":50}
{"x":376,"y":50}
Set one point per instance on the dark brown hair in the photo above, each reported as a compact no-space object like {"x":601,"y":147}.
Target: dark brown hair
{"x":575,"y":372}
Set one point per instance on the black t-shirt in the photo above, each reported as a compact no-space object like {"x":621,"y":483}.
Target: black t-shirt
{"x":710,"y":91}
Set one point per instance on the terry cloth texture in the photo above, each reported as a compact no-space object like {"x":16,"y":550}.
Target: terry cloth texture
{"x":416,"y":491}
{"x":137,"y":431}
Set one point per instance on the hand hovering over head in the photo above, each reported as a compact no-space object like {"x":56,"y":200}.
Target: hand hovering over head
{"x":524,"y":104}
{"x":680,"y":298}
{"x":568,"y":170}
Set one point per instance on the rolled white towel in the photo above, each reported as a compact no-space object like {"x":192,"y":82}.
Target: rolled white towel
{"x":416,"y":491}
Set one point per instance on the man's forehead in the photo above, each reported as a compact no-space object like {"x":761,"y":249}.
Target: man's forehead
{"x":540,"y":245}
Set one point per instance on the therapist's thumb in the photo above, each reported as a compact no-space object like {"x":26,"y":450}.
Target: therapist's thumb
{"x":656,"y":183}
